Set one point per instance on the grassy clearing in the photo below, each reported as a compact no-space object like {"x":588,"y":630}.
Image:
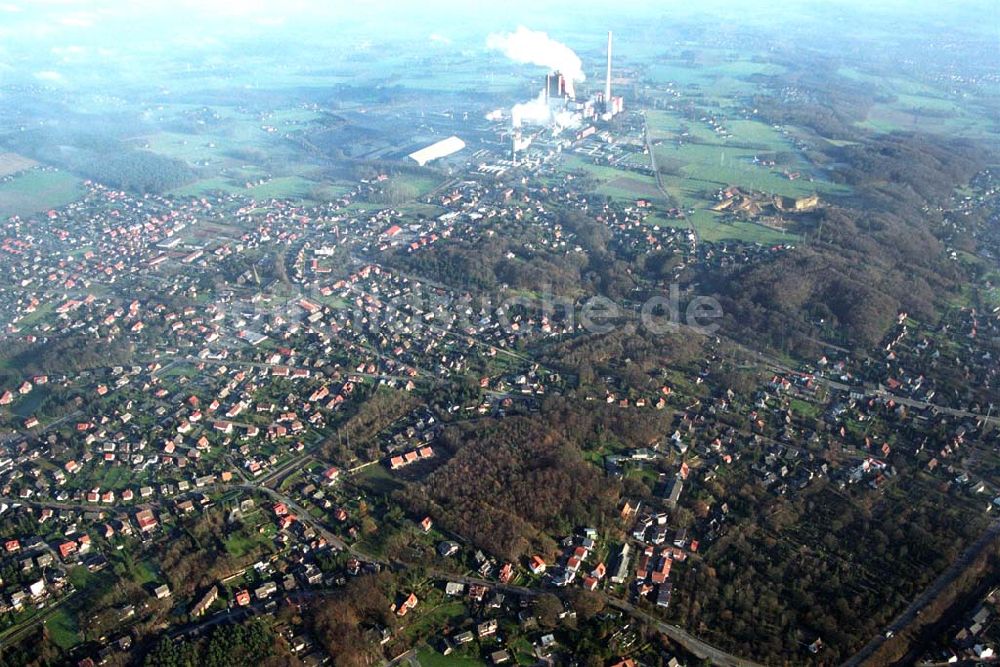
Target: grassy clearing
{"x":241,"y":543}
{"x":696,"y":163}
{"x":630,"y":188}
{"x":62,"y":628}
{"x":932,"y":103}
{"x":803,"y":408}
{"x":144,"y":573}
{"x":713,"y":166}
{"x":756,"y":133}
{"x":293,"y":117}
{"x":420,"y":183}
{"x":376,"y":479}
{"x":432,"y":620}
{"x":428,"y":657}
{"x":992,"y":296}
{"x":34,"y":191}
{"x":930,"y":113}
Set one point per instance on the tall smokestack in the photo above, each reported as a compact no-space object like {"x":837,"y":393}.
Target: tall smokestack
{"x":607,"y":81}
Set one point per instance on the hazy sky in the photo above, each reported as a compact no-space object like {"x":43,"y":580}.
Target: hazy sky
{"x":54,"y":41}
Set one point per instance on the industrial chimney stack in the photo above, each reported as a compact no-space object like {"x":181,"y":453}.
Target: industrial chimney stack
{"x":607,"y":82}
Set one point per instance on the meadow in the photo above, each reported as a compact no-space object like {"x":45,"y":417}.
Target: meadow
{"x":35,"y":190}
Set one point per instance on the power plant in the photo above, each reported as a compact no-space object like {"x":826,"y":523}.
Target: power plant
{"x":557,"y":108}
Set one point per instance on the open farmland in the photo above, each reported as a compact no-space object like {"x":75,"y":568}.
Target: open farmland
{"x":11,"y":163}
{"x":37,"y":190}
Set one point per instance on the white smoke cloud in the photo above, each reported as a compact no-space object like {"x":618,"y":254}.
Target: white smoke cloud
{"x":538,"y":112}
{"x":50,"y":76}
{"x":537,"y":48}
{"x":534,"y":112}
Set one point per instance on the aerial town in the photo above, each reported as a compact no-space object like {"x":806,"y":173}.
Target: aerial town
{"x":663,"y":366}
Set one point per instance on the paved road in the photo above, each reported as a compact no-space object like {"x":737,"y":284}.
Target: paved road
{"x":778,"y":366}
{"x":261,"y":364}
{"x":657,"y":174}
{"x":77,"y":507}
{"x":691,"y":643}
{"x":305,"y":517}
{"x":684,"y":638}
{"x":944,"y":580}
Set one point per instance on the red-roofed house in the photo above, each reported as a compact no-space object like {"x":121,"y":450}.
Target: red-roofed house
{"x":67,"y":549}
{"x":409,"y":603}
{"x":146,"y":520}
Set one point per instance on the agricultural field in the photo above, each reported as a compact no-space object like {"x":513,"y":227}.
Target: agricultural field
{"x":282,"y":187}
{"x":895,"y":117}
{"x":719,"y":81}
{"x":38,"y":190}
{"x":712,"y":228}
{"x":696,"y":160}
{"x":238,"y":152}
{"x":11,"y":163}
{"x":614,"y":182}
{"x":916,"y":106}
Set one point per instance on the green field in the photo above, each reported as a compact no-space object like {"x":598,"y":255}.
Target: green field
{"x":62,"y":628}
{"x":420,"y":183}
{"x":282,"y":187}
{"x":433,"y":619}
{"x":244,"y":541}
{"x":720,"y":80}
{"x":710,"y":228}
{"x":614,"y":182}
{"x":696,"y":161}
{"x":897,"y":116}
{"x":921,"y":107}
{"x":428,"y":657}
{"x":34,"y":191}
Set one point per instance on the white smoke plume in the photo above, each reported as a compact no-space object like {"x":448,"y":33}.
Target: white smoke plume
{"x":537,"y":48}
{"x":538,"y":112}
{"x":535,"y":112}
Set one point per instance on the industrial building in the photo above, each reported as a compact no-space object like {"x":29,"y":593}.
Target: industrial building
{"x":437,"y":150}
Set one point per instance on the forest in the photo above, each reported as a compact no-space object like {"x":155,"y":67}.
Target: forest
{"x":66,"y":354}
{"x":342,"y":621}
{"x":821,"y":565}
{"x":137,"y":171}
{"x":96,"y":150}
{"x":510,"y":484}
{"x":520,"y":260}
{"x":227,"y":646}
{"x":866,"y":259}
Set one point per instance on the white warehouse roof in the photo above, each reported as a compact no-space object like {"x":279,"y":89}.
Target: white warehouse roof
{"x":437,"y":150}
